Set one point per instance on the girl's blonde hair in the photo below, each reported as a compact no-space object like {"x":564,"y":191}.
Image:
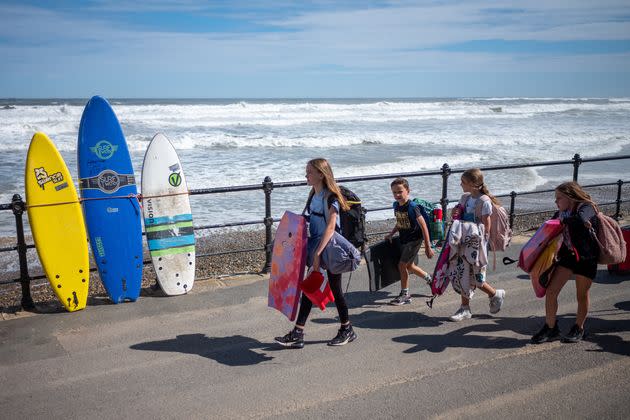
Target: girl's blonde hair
{"x":322,"y":166}
{"x":574,"y":192}
{"x":474,"y":176}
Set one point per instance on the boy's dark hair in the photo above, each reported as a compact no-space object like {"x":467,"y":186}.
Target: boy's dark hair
{"x":400,"y":181}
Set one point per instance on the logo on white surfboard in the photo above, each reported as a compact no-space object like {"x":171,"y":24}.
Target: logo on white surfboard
{"x":175,"y":178}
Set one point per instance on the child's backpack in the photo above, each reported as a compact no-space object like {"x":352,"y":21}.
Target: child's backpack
{"x":435,"y":227}
{"x":612,"y":246}
{"x":500,"y":231}
{"x":352,"y":221}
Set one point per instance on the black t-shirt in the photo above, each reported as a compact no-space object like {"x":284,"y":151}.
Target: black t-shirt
{"x":409,"y":230}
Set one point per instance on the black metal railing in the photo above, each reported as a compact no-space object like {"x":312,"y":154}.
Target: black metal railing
{"x":18,"y":206}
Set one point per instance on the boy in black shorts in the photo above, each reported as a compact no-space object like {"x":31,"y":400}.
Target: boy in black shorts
{"x":411,"y":228}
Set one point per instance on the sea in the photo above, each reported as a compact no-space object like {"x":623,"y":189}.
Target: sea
{"x":233,"y":142}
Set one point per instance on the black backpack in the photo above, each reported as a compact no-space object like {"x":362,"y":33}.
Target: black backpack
{"x":352,"y":221}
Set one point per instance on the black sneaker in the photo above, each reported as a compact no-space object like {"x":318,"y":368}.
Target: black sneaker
{"x":402,"y":299}
{"x":293,"y":340}
{"x":546,"y":334}
{"x":344,"y":336}
{"x":575,"y":334}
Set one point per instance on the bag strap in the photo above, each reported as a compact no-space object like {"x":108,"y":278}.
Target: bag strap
{"x":308,"y":204}
{"x":478,"y":209}
{"x":588,"y":223}
{"x":327,"y":197}
{"x":411,"y":212}
{"x":479,"y":205}
{"x":326,"y":202}
{"x":463,"y":199}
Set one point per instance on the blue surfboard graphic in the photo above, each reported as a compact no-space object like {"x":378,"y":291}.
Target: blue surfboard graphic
{"x":109,"y":193}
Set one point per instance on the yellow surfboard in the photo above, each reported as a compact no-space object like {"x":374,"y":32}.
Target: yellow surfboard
{"x":56,"y":220}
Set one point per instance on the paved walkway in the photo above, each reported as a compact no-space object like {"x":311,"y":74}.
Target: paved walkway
{"x":210,"y":354}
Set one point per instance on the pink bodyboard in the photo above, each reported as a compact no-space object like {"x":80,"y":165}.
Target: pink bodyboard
{"x":287,"y":264}
{"x":440,"y":274}
{"x":537,"y":243}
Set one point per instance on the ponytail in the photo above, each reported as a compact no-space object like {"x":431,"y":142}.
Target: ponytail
{"x":475,"y":177}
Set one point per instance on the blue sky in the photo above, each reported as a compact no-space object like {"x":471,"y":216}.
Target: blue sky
{"x":327,"y":48}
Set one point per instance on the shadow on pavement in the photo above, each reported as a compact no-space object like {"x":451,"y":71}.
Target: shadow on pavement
{"x":624,"y":306}
{"x":604,"y":277}
{"x":384,"y":320}
{"x":236,"y":350}
{"x":471,"y":336}
{"x":361,"y":299}
{"x":365,"y":299}
{"x":394,"y":320}
{"x":599,"y":331}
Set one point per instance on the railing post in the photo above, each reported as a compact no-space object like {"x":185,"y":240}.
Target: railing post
{"x":512,"y":202}
{"x":577,"y":161}
{"x":618,"y":206}
{"x":446,"y":172}
{"x":18,"y":206}
{"x":267,"y":188}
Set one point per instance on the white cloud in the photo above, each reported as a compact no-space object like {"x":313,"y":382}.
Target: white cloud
{"x":403,"y":37}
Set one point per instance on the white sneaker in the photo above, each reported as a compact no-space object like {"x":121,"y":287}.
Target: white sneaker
{"x":461,"y":314}
{"x":496,"y":301}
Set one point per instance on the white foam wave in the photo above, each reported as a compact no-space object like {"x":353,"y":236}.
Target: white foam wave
{"x":61,"y":122}
{"x":240,"y":143}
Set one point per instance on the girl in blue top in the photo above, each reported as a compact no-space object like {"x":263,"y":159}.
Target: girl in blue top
{"x":324,"y":202}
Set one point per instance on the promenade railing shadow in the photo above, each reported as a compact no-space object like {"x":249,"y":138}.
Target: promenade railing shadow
{"x":385,"y":320}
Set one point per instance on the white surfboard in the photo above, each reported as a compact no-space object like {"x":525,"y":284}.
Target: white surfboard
{"x":168,"y":217}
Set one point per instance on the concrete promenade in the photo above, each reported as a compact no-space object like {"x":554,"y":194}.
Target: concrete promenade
{"x":210,"y":354}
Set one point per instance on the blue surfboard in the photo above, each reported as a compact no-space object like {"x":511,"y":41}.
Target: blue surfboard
{"x":110,"y":204}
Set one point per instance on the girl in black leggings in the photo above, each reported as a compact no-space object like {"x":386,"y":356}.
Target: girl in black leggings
{"x":324,"y":202}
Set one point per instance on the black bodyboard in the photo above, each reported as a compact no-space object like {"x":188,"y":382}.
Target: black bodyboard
{"x":382,"y":263}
